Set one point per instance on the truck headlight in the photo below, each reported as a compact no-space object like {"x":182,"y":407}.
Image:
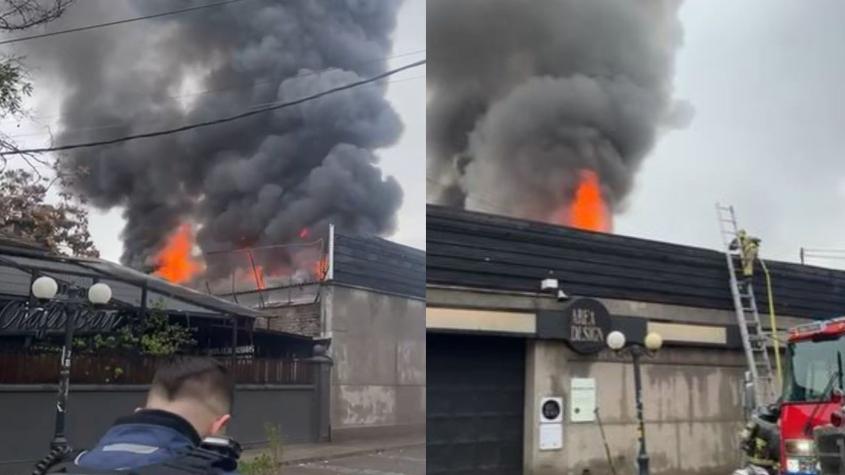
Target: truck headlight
{"x":799,"y":447}
{"x":801,"y":456}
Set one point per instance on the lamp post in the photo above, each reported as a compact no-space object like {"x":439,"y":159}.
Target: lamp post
{"x":45,"y":288}
{"x":653,"y":341}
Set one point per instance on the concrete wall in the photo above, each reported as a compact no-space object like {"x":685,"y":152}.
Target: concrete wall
{"x":28,"y":415}
{"x":692,"y":395}
{"x":378,"y":347}
{"x":517,"y":301}
{"x":692,"y":410}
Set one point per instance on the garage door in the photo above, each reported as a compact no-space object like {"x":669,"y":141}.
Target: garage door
{"x":474,"y":397}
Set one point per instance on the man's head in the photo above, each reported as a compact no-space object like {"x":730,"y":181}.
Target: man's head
{"x":198,"y":389}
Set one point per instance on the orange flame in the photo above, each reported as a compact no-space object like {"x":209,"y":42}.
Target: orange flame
{"x":588,"y":210}
{"x":321,"y":269}
{"x":259,"y":277}
{"x":175,"y":262}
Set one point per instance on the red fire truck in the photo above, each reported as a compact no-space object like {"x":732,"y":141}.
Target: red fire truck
{"x":780,"y":438}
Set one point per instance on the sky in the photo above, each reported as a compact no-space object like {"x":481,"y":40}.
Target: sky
{"x":404,"y":160}
{"x":766,"y":80}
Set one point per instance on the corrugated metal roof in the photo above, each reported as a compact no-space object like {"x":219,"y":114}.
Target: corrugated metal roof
{"x":379,"y":264}
{"x":127,"y":284}
{"x":184,"y":298}
{"x":486,"y":251}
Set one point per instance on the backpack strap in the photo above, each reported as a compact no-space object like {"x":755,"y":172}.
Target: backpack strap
{"x":199,"y":461}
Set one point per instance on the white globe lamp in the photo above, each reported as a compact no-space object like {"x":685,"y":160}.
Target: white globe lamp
{"x":616,"y":340}
{"x":99,"y":294}
{"x":44,"y":288}
{"x":653,"y":341}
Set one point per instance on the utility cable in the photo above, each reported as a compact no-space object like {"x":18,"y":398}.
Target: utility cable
{"x":242,"y":115}
{"x":113,"y":23}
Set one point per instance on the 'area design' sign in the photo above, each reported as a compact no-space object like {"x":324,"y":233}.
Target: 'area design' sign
{"x":18,"y":318}
{"x":587,"y":324}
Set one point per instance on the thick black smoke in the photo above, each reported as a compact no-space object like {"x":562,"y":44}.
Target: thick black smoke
{"x":524,"y":94}
{"x":253,"y":182}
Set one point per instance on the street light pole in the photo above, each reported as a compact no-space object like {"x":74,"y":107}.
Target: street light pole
{"x":642,"y":457}
{"x":616,"y":341}
{"x":59,"y":438}
{"x":45,"y":288}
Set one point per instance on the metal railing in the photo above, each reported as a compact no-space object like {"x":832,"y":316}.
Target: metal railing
{"x":258,"y":269}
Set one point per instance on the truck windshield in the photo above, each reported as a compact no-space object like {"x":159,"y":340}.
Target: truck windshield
{"x":814,"y":368}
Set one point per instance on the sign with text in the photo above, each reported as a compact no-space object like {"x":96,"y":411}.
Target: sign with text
{"x":587,"y":325}
{"x":17,"y":317}
{"x":583,"y":395}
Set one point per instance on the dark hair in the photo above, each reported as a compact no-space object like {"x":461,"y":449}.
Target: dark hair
{"x":196,"y":377}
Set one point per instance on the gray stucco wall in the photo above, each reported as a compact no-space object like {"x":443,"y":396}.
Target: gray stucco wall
{"x":692,"y":410}
{"x":378,"y":347}
{"x":27,"y":415}
{"x":466,"y":298}
{"x":691,"y":395}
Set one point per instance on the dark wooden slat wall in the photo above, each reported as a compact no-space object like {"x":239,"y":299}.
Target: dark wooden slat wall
{"x":380,"y":265}
{"x":479,"y":250}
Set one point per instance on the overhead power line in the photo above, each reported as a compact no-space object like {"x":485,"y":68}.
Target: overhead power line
{"x":117,"y":125}
{"x":272,"y":107}
{"x":218,"y":90}
{"x":117,"y":22}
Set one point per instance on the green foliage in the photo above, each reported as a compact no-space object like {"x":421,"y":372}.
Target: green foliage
{"x":155,"y":335}
{"x":261,"y":465}
{"x":14,"y":86}
{"x":159,"y":337}
{"x":267,"y":463}
{"x":274,"y":442}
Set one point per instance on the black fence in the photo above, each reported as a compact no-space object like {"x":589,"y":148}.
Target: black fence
{"x":43,"y":368}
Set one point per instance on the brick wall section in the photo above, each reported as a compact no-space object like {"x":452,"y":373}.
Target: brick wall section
{"x":299,"y":319}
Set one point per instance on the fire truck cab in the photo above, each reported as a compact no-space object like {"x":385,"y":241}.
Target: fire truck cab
{"x":813,"y":391}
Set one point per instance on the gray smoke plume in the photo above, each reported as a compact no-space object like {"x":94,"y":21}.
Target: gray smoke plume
{"x":257,"y":181}
{"x":524,"y":94}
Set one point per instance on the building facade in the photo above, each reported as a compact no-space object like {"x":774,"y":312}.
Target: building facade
{"x":369,"y":310}
{"x":499,"y":347}
{"x":278,"y":384}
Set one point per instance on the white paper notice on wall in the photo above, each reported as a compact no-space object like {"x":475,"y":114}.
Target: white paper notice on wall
{"x":582,"y":407}
{"x":551,"y":436}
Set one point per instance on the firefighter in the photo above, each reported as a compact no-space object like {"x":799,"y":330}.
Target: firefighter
{"x":761,"y":441}
{"x":748,"y":247}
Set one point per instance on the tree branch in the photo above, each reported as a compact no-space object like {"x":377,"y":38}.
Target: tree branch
{"x":22,"y":14}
